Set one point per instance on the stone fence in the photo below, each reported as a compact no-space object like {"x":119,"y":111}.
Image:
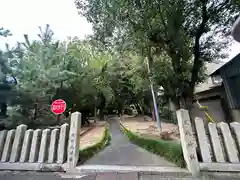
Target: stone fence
{"x":218,"y":144}
{"x":41,"y":149}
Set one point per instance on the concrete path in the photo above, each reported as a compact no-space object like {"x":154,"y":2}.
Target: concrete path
{"x":120,"y":152}
{"x":5,"y":175}
{"x":123,"y":152}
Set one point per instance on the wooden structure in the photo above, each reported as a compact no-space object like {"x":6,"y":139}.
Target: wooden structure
{"x":230,"y":76}
{"x":211,"y":94}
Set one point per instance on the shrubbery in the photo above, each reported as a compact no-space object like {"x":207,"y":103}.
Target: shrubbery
{"x":168,"y":149}
{"x":90,"y":151}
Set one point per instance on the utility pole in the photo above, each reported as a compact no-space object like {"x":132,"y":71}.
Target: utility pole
{"x":154,"y":99}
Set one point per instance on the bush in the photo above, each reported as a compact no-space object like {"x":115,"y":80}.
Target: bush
{"x":170,"y":150}
{"x":90,"y":151}
{"x":168,"y":115}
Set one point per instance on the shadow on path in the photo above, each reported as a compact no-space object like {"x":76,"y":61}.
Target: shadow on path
{"x":123,"y":152}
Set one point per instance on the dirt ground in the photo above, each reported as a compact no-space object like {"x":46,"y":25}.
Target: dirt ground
{"x":145,"y":126}
{"x":92,"y":136}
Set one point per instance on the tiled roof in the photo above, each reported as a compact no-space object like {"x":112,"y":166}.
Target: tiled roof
{"x":208,"y":84}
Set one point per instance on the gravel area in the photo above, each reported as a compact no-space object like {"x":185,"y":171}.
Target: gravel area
{"x":147,"y":127}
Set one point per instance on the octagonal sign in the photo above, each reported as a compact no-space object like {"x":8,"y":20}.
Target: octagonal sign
{"x":58,"y":106}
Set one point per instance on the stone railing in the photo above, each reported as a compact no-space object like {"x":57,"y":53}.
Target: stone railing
{"x":41,"y":149}
{"x":218,"y":144}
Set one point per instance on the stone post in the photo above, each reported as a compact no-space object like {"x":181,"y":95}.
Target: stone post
{"x":203,"y":140}
{"x":52,"y":152}
{"x":236,"y":128}
{"x":187,"y":141}
{"x":74,"y":140}
{"x":62,"y":144}
{"x":36,"y":139}
{"x":24,"y":157}
{"x":3,"y":135}
{"x":8,"y":146}
{"x":43,"y":146}
{"x":229,"y":143}
{"x":216,"y":143}
{"x":17,"y":143}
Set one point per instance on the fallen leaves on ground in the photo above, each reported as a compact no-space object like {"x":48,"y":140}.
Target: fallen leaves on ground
{"x":149,"y":128}
{"x":93,"y":136}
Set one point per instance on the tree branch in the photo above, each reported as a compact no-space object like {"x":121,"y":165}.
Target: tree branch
{"x":221,"y":6}
{"x":196,"y":49}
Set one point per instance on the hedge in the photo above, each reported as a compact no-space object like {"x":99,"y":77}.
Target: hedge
{"x":170,"y":150}
{"x":90,"y":151}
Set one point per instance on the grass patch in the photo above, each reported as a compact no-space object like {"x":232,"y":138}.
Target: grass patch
{"x":170,"y":150}
{"x":90,"y":151}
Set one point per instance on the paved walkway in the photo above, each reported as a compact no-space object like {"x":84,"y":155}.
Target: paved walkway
{"x":4,"y":175}
{"x":122,"y":152}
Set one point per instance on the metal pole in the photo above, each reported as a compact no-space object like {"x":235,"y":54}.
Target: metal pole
{"x":154,"y":100}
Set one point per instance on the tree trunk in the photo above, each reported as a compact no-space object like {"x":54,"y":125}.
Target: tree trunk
{"x":153,"y":115}
{"x":182,"y":103}
{"x":173,"y":106}
{"x":35,"y":110}
{"x":120,"y":108}
{"x":58,"y":119}
{"x":102,"y":106}
{"x":189,"y":103}
{"x":3,"y":109}
{"x":101,"y":113}
{"x":95,"y":112}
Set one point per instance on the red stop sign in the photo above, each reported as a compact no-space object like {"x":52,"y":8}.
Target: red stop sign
{"x":58,"y":106}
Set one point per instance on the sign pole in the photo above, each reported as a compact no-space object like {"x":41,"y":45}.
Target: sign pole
{"x":58,"y":107}
{"x":154,"y":101}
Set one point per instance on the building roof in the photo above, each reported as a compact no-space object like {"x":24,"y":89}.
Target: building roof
{"x":236,"y":30}
{"x":208,"y":84}
{"x":217,"y":71}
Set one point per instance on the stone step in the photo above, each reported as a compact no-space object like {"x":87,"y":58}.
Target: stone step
{"x":111,"y":172}
{"x":141,"y":176}
{"x":147,"y":176}
{"x":117,"y":176}
{"x":129,"y":176}
{"x":144,"y":169}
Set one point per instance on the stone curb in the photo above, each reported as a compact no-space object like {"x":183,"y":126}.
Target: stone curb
{"x":101,"y":141}
{"x":103,"y":137}
{"x":42,"y":167}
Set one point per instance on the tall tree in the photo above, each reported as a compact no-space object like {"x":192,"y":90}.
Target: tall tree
{"x":190,"y":33}
{"x":5,"y":74}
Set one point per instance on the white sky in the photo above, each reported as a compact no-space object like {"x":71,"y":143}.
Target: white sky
{"x":25,"y":16}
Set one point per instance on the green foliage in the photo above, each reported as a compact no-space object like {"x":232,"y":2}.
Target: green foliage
{"x":108,"y":71}
{"x":170,"y":150}
{"x":168,"y":116}
{"x":85,"y":76}
{"x":4,"y":58}
{"x":178,"y":36}
{"x":88,"y":152}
